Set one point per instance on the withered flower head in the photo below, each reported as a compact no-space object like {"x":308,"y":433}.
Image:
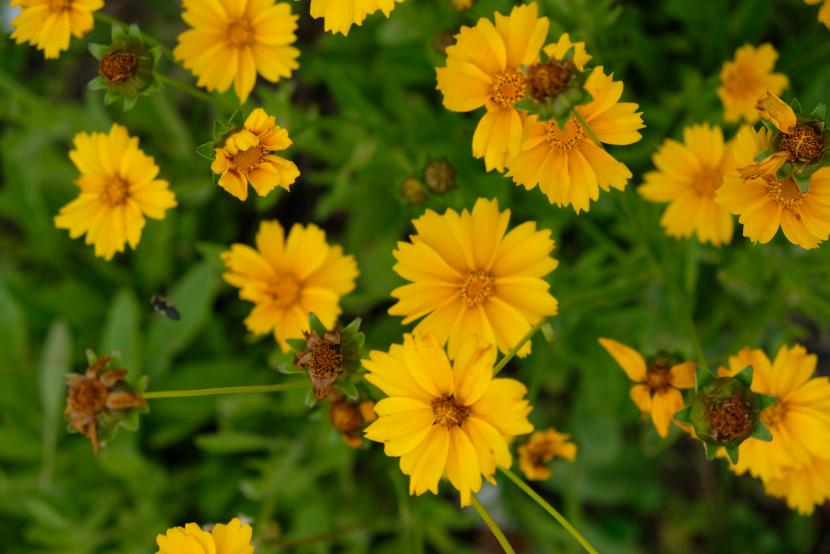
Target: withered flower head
{"x":439,"y":176}
{"x":98,"y":398}
{"x":321,"y":360}
{"x":413,"y":190}
{"x":350,"y":417}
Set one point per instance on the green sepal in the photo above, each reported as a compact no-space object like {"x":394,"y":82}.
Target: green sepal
{"x":765,"y":400}
{"x":316,"y":325}
{"x":348,"y":388}
{"x":310,"y":399}
{"x":206,"y":150}
{"x":278,"y":358}
{"x":109,"y":97}
{"x":288,"y":368}
{"x":547,"y":331}
{"x":684,"y":415}
{"x":732,"y":454}
{"x":98,"y":83}
{"x":98,"y":50}
{"x":119,"y":34}
{"x":803,"y":182}
{"x":710,"y":450}
{"x":222,"y":129}
{"x":91,"y":356}
{"x":129,"y":102}
{"x":703,"y":377}
{"x":796,"y":106}
{"x":761,"y":432}
{"x":134,"y":34}
{"x":745,"y":376}
{"x":297,"y":345}
{"x":351,"y":344}
{"x":155,"y":53}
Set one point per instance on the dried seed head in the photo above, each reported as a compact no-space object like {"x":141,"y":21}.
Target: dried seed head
{"x":350,"y":417}
{"x":439,"y":176}
{"x":322,"y":360}
{"x":413,"y":191}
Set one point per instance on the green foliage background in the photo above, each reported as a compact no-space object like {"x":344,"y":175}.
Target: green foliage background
{"x":364,"y":116}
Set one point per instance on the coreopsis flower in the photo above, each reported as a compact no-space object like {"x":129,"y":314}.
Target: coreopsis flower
{"x":118,"y":190}
{"x":339,"y":15}
{"x":287,"y":278}
{"x":443,"y":418}
{"x":765,"y":202}
{"x":233,"y":538}
{"x":99,"y":400}
{"x":823,"y":11}
{"x":230,"y":42}
{"x":657,"y":385}
{"x":568,"y":163}
{"x":470,"y":276}
{"x":688,"y":175}
{"x":246,"y":156}
{"x":803,"y":488}
{"x":484,"y":69}
{"x":746,"y":78}
{"x":541,"y":448}
{"x":799,"y":420}
{"x":49,"y":25}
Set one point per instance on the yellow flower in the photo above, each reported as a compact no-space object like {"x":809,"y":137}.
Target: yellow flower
{"x":48,"y":25}
{"x":799,"y":421}
{"x":566,"y":163}
{"x":746,"y":78}
{"x":233,"y":538}
{"x":469,"y":276}
{"x":339,"y":15}
{"x":231,"y":41}
{"x":118,"y":189}
{"x":765,"y":203}
{"x":803,"y":488}
{"x":461,"y":5}
{"x":445,"y":418}
{"x":541,"y":448}
{"x":246,"y":158}
{"x":656,"y":390}
{"x":484,"y":69}
{"x":823,"y":12}
{"x":289,"y":278}
{"x":687,"y":177}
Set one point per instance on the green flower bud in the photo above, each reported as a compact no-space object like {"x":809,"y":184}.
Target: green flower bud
{"x":126,"y":67}
{"x":724,"y":412}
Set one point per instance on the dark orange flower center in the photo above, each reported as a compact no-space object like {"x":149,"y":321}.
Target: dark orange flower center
{"x":246,"y":160}
{"x":476,"y":288}
{"x":285,"y":290}
{"x":567,"y":138}
{"x":786,"y":192}
{"x":707,"y":181}
{"x":240,"y":33}
{"x":117,"y":66}
{"x":448,"y":412}
{"x":731,"y":420}
{"x":546,"y":80}
{"x":115,"y":192}
{"x":803,"y":144}
{"x":508,"y":88}
{"x":658,"y":375}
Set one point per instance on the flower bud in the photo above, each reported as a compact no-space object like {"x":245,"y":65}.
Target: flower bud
{"x":439,"y":176}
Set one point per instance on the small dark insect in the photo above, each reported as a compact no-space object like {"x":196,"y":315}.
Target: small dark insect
{"x":163,"y":306}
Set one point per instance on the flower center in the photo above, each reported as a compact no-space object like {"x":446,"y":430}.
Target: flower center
{"x":245,"y":160}
{"x":117,"y":66}
{"x":115,"y":192}
{"x":565,"y":139}
{"x":89,"y":396}
{"x":708,"y":181}
{"x":546,"y":80}
{"x":786,"y":192}
{"x":742,"y":81}
{"x":476,"y":288}
{"x":773,"y":415}
{"x":658,"y":375}
{"x":240,"y":33}
{"x":285,"y":290}
{"x":804,"y":144}
{"x":731,"y":421}
{"x":60,"y":5}
{"x":325,"y":360}
{"x":448,"y":412}
{"x":508,"y":88}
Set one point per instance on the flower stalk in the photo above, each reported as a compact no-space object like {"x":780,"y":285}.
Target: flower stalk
{"x":249,"y":389}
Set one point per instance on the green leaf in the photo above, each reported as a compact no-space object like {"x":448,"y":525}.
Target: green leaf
{"x":12,"y":332}
{"x":234,"y":442}
{"x":55,"y":363}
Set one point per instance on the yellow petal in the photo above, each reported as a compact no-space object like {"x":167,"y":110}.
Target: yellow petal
{"x":631,"y":361}
{"x":773,"y":109}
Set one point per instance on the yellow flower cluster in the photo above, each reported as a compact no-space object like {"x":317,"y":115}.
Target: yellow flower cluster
{"x":498,"y":66}
{"x":233,"y":538}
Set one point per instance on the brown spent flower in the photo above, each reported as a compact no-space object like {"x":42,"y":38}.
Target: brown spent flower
{"x":413,"y":191}
{"x":350,"y":417}
{"x":91,"y":394}
{"x":439,"y":176}
{"x":322,"y":360}
{"x":541,"y":448}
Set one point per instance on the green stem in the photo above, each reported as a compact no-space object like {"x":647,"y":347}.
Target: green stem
{"x":192,"y":91}
{"x":494,"y":528}
{"x":251,"y":389}
{"x":513,"y":351}
{"x":549,"y":509}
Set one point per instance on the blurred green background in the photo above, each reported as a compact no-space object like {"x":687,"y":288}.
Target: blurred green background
{"x":364,"y":116}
